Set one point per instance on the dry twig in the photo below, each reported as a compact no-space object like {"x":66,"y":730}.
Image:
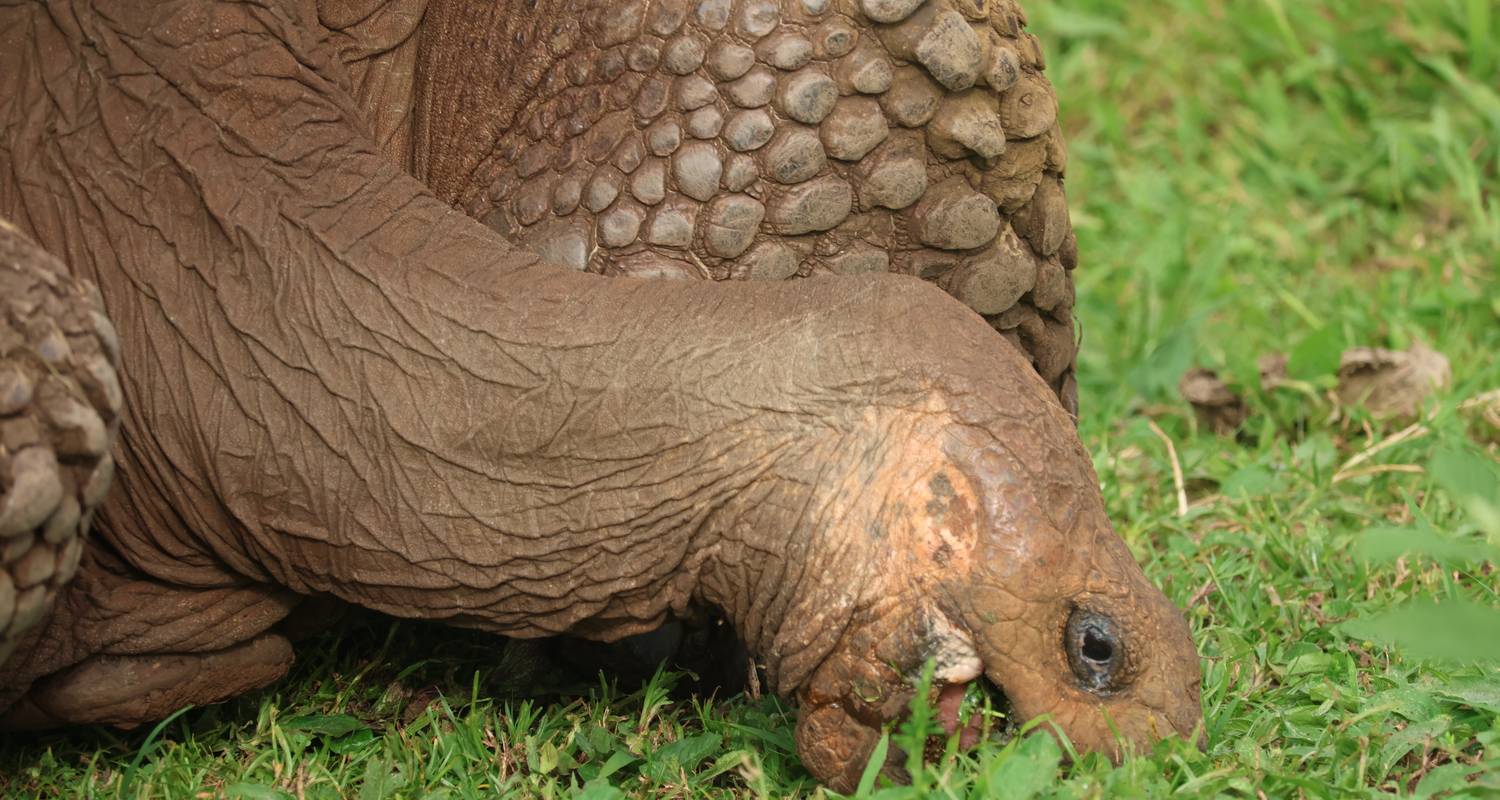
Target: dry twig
{"x":1182,"y":503}
{"x":1416,"y":430}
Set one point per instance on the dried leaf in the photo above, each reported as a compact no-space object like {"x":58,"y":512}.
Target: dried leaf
{"x":1272,"y":370}
{"x":1218,"y":407}
{"x":1391,"y":383}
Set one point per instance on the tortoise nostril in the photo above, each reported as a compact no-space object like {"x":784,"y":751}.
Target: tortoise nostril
{"x":1096,"y":648}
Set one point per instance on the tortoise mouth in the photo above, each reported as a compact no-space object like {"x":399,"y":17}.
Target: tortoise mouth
{"x":971,"y":712}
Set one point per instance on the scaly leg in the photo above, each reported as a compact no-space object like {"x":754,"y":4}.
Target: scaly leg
{"x":121,"y":649}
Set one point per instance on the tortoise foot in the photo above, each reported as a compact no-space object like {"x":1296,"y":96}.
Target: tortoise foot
{"x":125,"y":691}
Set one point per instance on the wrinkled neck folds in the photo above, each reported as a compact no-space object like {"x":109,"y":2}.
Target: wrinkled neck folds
{"x":802,"y":552}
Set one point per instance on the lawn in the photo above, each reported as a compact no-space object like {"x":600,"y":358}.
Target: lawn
{"x":1247,"y":178}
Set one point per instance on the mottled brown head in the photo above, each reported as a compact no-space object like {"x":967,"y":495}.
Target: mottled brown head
{"x":999,"y":563}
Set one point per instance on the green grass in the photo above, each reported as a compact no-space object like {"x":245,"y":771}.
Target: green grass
{"x":1247,"y":177}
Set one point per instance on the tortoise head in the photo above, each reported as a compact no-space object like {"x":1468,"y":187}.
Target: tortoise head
{"x":1002,"y":568}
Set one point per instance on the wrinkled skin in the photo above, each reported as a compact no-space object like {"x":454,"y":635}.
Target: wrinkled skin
{"x":331,"y":384}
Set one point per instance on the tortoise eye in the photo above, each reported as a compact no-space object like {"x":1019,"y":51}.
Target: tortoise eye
{"x":1094,"y":650}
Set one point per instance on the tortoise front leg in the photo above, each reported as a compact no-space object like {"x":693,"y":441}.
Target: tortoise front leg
{"x":121,"y":648}
{"x":112,"y":646}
